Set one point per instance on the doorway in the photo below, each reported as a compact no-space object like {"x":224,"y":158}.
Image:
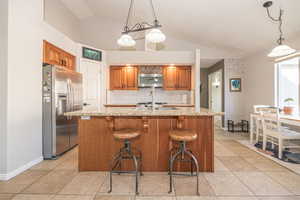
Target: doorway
{"x":215,"y":94}
{"x":91,"y":73}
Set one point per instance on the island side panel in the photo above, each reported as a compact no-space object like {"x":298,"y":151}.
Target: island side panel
{"x":97,"y":145}
{"x":203,"y":147}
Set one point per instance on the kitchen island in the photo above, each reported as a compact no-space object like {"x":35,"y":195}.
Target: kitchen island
{"x":97,"y":145}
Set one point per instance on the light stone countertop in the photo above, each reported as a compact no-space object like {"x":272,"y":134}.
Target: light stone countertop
{"x":133,"y":112}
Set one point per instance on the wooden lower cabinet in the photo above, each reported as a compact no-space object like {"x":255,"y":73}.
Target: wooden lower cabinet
{"x":123,"y":78}
{"x":97,"y":146}
{"x":55,"y":56}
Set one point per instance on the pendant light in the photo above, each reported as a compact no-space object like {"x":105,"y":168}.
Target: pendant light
{"x":154,"y":36}
{"x":126,"y":41}
{"x":281,"y":49}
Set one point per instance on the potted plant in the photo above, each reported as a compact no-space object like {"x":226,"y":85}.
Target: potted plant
{"x":288,"y":109}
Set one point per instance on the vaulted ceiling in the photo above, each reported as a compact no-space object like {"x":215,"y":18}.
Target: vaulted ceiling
{"x":240,"y":25}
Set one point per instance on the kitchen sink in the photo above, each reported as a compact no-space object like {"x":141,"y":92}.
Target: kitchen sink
{"x":166,"y":108}
{"x":157,"y":108}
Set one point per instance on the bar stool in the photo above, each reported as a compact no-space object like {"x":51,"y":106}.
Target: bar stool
{"x":182,"y":136}
{"x":126,"y":153}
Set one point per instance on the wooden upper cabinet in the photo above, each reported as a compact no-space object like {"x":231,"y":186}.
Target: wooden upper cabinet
{"x":123,"y":78}
{"x":56,"y":56}
{"x":130,"y":78}
{"x":184,"y":75}
{"x":116,"y":78}
{"x":170,"y":78}
{"x":52,"y":55}
{"x":177,"y":78}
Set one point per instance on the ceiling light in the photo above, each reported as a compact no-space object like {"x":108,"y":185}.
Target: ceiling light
{"x":155,"y":36}
{"x":126,"y":41}
{"x":281,"y":49}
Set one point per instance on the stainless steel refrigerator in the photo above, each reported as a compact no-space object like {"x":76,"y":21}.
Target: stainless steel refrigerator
{"x":62,"y":92}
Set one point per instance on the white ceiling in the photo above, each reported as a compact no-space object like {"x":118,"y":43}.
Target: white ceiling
{"x":241,"y":25}
{"x":207,"y":63}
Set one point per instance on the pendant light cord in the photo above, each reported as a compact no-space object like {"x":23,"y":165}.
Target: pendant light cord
{"x":153,"y":10}
{"x":126,"y":28}
{"x":281,"y":39}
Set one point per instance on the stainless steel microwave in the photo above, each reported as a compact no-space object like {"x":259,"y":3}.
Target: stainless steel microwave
{"x":150,"y":80}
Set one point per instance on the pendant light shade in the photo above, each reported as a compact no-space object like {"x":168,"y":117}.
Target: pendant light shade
{"x":281,"y":50}
{"x":126,"y":41}
{"x":155,"y":36}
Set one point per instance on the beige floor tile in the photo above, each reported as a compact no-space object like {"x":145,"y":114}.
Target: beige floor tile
{"x":243,"y":152}
{"x":223,"y":151}
{"x":6,"y":196}
{"x":155,"y":198}
{"x":85,"y":183}
{"x":236,"y":164}
{"x":219,"y":166}
{"x":74,"y":197}
{"x":195,"y":198}
{"x":51,"y":183}
{"x":122,"y":184}
{"x":261,"y":184}
{"x":277,"y":198}
{"x":264,"y":164}
{"x":226,"y":184}
{"x":48,"y":164}
{"x":70,"y":164}
{"x":20,"y":182}
{"x":237,"y":198}
{"x":289,"y":180}
{"x":113,"y":197}
{"x":185,"y":186}
{"x":155,"y":185}
{"x":32,"y":197}
{"x":231,"y":143}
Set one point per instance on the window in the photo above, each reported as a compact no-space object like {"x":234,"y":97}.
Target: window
{"x":288,"y":77}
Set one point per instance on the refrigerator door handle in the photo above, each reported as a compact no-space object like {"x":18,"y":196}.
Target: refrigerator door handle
{"x":68,"y":98}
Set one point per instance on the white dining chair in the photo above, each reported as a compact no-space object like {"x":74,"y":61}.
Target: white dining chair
{"x":256,"y":121}
{"x":276,"y":134}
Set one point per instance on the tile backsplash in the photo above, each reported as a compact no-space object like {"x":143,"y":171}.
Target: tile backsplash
{"x":143,"y":95}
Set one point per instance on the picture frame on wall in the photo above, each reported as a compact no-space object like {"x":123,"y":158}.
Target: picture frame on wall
{"x":235,"y":84}
{"x":91,"y":54}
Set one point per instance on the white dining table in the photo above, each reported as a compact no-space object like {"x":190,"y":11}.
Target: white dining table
{"x":293,"y":120}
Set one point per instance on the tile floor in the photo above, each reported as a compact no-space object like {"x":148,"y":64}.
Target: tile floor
{"x":240,"y":174}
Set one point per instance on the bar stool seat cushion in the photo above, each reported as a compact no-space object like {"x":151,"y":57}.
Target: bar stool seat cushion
{"x":126,"y":134}
{"x":183,"y":135}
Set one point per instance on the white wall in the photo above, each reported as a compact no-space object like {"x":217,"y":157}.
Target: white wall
{"x":24,"y":110}
{"x":259,"y":84}
{"x":234,"y":101}
{"x":147,"y":57}
{"x":60,"y":17}
{"x":21,"y":143}
{"x":3,"y":83}
{"x":57,"y":38}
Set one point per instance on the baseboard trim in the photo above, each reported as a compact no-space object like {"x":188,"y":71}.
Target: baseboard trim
{"x":5,"y":177}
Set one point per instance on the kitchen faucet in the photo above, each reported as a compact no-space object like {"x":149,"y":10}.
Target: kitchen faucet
{"x":152,"y":93}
